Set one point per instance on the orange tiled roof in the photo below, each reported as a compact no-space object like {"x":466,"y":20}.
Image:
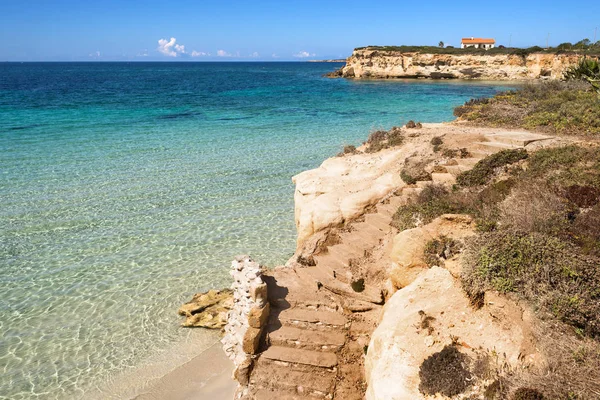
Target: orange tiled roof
{"x":477,"y":41}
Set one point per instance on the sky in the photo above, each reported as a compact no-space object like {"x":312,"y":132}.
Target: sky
{"x":265,"y":30}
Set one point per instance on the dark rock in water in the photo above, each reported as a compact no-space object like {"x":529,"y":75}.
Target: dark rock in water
{"x":208,"y":310}
{"x":338,"y":73}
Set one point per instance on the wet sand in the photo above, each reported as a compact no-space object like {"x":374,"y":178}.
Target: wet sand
{"x":206,"y":377}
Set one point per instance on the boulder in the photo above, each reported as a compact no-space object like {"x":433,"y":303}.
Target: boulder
{"x":408,"y":246}
{"x":341,"y":189}
{"x":403,"y":341}
{"x":208,"y":310}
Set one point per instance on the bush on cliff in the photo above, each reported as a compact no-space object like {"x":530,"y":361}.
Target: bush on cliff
{"x":551,"y":273}
{"x":381,"y":139}
{"x":555,"y":107}
{"x":482,"y":171}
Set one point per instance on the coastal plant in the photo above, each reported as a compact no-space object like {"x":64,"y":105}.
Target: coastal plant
{"x":439,"y":249}
{"x":445,"y":372}
{"x":413,"y":175}
{"x":349,"y":149}
{"x":588,"y":70}
{"x":556,"y":107}
{"x":481,"y":173}
{"x":549,"y":272}
{"x":526,"y":393}
{"x":381,"y":139}
{"x":433,"y":201}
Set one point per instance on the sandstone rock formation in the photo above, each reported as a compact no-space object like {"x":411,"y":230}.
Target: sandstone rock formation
{"x":430,"y":314}
{"x":207,"y":310}
{"x":409,"y":245}
{"x":342,"y":188}
{"x":247,"y":318}
{"x":374,"y":63}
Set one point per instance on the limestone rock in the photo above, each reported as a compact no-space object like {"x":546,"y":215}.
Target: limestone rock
{"x":374,"y":63}
{"x":408,"y":246}
{"x":399,"y":346}
{"x":258,"y":316}
{"x":341,"y":188}
{"x":208,"y":310}
{"x":252,"y":340}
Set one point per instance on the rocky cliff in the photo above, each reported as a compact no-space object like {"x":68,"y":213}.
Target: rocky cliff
{"x":378,"y":64}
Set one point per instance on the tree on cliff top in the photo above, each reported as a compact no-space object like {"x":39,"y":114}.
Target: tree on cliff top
{"x":441,"y":44}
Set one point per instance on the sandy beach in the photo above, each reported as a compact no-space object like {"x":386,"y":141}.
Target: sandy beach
{"x":207,"y":376}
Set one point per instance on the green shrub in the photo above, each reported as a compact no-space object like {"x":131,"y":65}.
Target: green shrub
{"x":436,"y":141}
{"x":412,"y":175}
{"x":433,"y":201}
{"x":545,"y":270}
{"x":349,"y":149}
{"x":483,"y":170}
{"x":554,"y":106}
{"x":381,"y":139}
{"x":587,"y":70}
{"x":445,"y":372}
{"x":440,"y":249}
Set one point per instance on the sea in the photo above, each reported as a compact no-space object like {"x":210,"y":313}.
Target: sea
{"x":125,"y":188}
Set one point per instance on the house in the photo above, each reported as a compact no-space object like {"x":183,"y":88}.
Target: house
{"x":477,"y":43}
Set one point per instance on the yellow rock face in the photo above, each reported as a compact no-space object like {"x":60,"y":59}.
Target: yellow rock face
{"x":372,"y":63}
{"x":208,"y":310}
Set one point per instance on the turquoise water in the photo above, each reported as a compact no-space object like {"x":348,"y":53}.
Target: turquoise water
{"x":126,"y":188}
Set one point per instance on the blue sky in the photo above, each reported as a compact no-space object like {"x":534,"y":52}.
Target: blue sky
{"x":109,"y":30}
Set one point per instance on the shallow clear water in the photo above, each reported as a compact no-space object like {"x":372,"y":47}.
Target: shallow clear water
{"x":126,"y":188}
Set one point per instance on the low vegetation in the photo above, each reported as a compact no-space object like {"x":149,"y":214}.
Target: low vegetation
{"x":481,"y":173}
{"x":445,"y":372}
{"x":538,"y":222}
{"x":440,"y":249}
{"x":584,"y":46}
{"x":381,"y":139}
{"x":570,"y":108}
{"x":588,"y":70}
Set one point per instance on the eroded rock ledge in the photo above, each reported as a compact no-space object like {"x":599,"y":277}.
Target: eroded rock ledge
{"x":378,"y":64}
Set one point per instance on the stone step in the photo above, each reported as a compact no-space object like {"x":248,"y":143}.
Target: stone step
{"x":379,"y":221}
{"x":422,"y":184}
{"x":268,"y":376}
{"x":386,"y":208}
{"x":287,"y":336}
{"x":481,"y":153}
{"x":444,"y":179}
{"x":520,"y":139}
{"x":494,"y":146}
{"x":370,"y":294}
{"x":295,"y":315}
{"x":367,"y":230}
{"x":411,"y":191}
{"x":455,"y":169}
{"x":467,"y":163}
{"x":346,"y":251}
{"x":339,"y":272}
{"x":286,"y":289}
{"x":268,"y":394}
{"x":299,"y":356}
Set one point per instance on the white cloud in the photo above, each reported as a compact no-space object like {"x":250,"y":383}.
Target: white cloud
{"x":170,"y":47}
{"x":199,"y":54}
{"x":255,"y":54}
{"x":95,"y":55}
{"x":304,"y":54}
{"x":223,"y":53}
{"x":274,"y":55}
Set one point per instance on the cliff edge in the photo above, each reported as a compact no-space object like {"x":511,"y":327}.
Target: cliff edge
{"x":382,"y":64}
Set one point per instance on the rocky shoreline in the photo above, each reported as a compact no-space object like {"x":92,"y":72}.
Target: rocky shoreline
{"x":357,"y":311}
{"x":372,"y":63}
